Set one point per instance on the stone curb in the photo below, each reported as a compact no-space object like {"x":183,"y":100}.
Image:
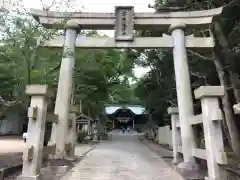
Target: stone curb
{"x":90,"y":149}
{"x":5,"y":172}
{"x":165,"y":147}
{"x":161,"y":145}
{"x":164,"y":157}
{"x":235,"y":172}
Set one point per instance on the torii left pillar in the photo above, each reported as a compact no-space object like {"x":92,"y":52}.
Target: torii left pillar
{"x":184,"y":94}
{"x":65,"y":89}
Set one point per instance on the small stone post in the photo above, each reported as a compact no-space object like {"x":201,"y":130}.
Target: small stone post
{"x":89,"y":126}
{"x":113,"y":124}
{"x":65,"y":88}
{"x":176,"y":133}
{"x":95,"y":131}
{"x":37,"y":112}
{"x":212,"y":117}
{"x":92,"y":124}
{"x":70,"y":146}
{"x":184,"y":94}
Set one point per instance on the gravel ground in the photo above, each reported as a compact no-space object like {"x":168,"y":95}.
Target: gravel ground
{"x":165,"y":154}
{"x":10,"y":159}
{"x":13,"y":176}
{"x":47,"y":173}
{"x":11,"y":148}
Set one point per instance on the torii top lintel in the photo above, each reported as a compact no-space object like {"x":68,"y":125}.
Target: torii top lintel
{"x":106,"y":21}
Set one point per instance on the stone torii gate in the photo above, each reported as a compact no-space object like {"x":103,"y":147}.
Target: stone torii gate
{"x":125,"y":21}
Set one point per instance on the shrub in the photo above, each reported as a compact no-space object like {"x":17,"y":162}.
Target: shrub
{"x":103,"y":136}
{"x":81,"y":136}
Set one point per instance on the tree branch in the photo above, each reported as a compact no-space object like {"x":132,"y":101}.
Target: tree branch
{"x":199,"y":55}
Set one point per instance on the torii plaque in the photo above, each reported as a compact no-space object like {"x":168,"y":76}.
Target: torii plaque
{"x":124,"y":23}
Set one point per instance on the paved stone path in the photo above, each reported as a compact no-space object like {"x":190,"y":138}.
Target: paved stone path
{"x":122,"y":160}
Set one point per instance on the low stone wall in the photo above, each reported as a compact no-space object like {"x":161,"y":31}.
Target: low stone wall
{"x":164,"y":135}
{"x":11,"y":125}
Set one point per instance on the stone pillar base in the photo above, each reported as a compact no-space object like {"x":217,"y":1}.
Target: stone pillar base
{"x":222,"y":178}
{"x":190,"y":165}
{"x":58,"y":169}
{"x":176,"y":162}
{"x":22,"y":177}
{"x":95,"y":140}
{"x":189,"y":170}
{"x":58,"y":156}
{"x":207,"y":178}
{"x":71,"y":158}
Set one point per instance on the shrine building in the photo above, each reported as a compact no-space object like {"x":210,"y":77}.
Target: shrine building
{"x":123,"y":116}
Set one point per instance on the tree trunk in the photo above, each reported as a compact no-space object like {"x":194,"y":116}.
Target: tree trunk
{"x":222,"y":53}
{"x":227,"y":107}
{"x":235,"y":85}
{"x":227,"y":57}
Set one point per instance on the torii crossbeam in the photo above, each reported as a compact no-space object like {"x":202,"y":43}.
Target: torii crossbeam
{"x":107,"y":21}
{"x":139,"y":42}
